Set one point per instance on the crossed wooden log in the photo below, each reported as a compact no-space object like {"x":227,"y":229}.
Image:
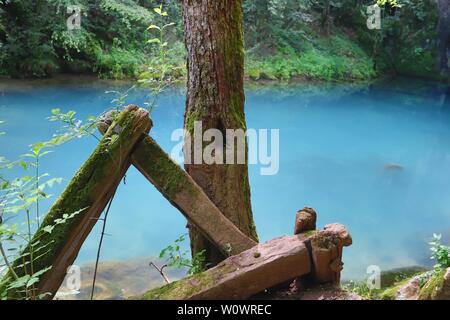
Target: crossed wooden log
{"x":250,"y":267}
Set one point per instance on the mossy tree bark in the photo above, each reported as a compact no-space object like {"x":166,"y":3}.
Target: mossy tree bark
{"x":215,"y":96}
{"x":88,"y":194}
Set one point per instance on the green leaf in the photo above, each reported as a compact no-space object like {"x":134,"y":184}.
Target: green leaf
{"x":168,"y":25}
{"x":48,"y":229}
{"x":19,"y":283}
{"x":37,"y":147}
{"x":152,"y":26}
{"x":154,"y":40}
{"x":41,"y":272}
{"x":28,"y":155}
{"x":45,"y":152}
{"x":24,"y":165}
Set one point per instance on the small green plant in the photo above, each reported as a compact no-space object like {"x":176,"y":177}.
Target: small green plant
{"x":120,"y":99}
{"x":360,"y":288}
{"x":177,"y":257}
{"x":392,"y":3}
{"x":72,"y":127}
{"x":160,"y":70}
{"x":440,"y":253}
{"x":22,"y":196}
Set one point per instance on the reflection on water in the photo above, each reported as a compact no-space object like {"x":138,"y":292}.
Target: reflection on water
{"x":117,"y":280}
{"x":374,"y":157}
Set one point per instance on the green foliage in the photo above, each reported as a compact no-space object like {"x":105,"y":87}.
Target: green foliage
{"x":284,"y":38}
{"x":19,"y":198}
{"x":334,"y":58}
{"x":162,"y":68}
{"x":440,"y":253}
{"x":392,"y":3}
{"x":176,"y":257}
{"x":407,"y":41}
{"x":72,"y":127}
{"x":359,"y":288}
{"x":38,"y":43}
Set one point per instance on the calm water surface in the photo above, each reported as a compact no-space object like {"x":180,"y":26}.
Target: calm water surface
{"x":337,"y":145}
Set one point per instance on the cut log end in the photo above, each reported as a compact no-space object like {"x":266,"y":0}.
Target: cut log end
{"x":305,"y":220}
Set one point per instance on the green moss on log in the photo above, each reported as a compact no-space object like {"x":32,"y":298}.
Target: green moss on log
{"x":80,"y":194}
{"x":165,"y":173}
{"x":188,"y":287}
{"x":433,"y":286}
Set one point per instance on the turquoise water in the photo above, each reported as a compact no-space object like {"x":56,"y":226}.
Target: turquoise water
{"x":337,"y":143}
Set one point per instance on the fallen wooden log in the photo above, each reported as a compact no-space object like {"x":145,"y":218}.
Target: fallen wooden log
{"x":243,"y":275}
{"x":183,"y":193}
{"x":62,"y":232}
{"x":264,"y":266}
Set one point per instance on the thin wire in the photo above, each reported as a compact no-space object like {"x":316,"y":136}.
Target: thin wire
{"x":100,"y":245}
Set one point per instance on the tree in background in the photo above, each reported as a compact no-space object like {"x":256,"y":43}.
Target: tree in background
{"x":444,"y":34}
{"x":215,"y":96}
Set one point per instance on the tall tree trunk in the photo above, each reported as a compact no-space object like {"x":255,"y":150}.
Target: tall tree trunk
{"x":263,"y":23}
{"x":215,"y":96}
{"x":443,"y":34}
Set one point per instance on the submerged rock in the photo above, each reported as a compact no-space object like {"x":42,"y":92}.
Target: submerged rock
{"x":118,"y":280}
{"x":410,"y":291}
{"x":393,"y":166}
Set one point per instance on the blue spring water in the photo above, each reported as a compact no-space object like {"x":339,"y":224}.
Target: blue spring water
{"x":373,"y":157}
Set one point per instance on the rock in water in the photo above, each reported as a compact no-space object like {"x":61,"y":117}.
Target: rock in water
{"x":410,"y":291}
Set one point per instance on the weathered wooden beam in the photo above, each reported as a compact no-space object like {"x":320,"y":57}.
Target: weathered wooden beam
{"x":243,"y":275}
{"x":184,"y":194}
{"x":90,"y":190}
{"x":326,"y":252}
{"x":265,"y":266}
{"x":182,"y":191}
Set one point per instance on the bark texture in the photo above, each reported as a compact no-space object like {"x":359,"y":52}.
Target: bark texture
{"x":215,"y":96}
{"x":89,"y":191}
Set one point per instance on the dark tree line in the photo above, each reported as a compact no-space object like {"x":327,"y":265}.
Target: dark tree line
{"x":112,"y":42}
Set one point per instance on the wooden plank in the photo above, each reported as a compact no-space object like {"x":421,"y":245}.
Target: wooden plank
{"x":90,"y":189}
{"x":182,"y":191}
{"x":185,"y":194}
{"x":243,"y":275}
